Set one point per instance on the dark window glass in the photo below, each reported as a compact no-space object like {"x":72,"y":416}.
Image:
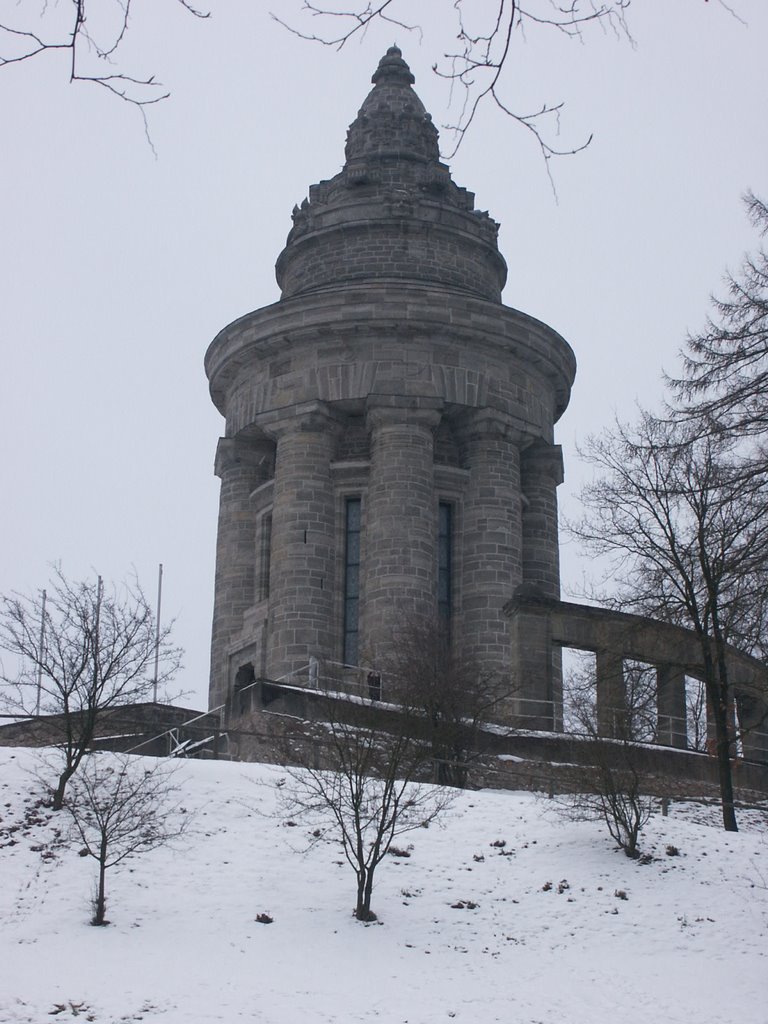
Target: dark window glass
{"x":265,"y":554}
{"x":444,"y":538}
{"x":351,"y":580}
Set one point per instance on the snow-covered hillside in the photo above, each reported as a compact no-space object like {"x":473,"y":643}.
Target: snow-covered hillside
{"x":552,"y":926}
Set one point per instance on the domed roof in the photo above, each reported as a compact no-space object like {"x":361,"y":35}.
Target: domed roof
{"x":393,"y":212}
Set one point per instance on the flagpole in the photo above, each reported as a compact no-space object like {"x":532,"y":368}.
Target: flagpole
{"x":40,"y":656}
{"x":157,"y":628}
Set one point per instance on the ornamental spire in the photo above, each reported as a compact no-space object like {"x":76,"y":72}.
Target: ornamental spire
{"x":392,"y":122}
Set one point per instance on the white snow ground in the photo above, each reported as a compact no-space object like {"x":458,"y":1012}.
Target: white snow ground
{"x":687,"y":944}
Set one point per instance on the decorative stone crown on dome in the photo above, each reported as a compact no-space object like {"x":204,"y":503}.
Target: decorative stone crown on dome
{"x":393,"y":212}
{"x":392,"y":121}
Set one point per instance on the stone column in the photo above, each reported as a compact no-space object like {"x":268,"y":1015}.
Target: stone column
{"x":491,"y":551}
{"x":242,"y":464}
{"x":611,"y":694}
{"x":753,"y":718}
{"x":399,"y":577}
{"x":536,"y":665}
{"x":302,"y":567}
{"x":670,"y":705}
{"x":541,"y":471}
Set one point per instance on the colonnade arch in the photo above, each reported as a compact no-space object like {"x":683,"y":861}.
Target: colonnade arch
{"x":615,"y":638}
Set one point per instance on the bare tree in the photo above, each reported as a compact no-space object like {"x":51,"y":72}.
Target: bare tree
{"x":724,"y":386}
{"x":455,"y":696}
{"x":89,"y":35}
{"x":635,"y":714}
{"x":641,"y":695}
{"x":613,"y":787}
{"x":686,"y":533}
{"x":121,"y":807}
{"x":80,"y":652}
{"x":369,"y":788}
{"x":363,"y":780}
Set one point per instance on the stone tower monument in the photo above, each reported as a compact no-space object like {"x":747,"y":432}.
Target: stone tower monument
{"x":389,"y":450}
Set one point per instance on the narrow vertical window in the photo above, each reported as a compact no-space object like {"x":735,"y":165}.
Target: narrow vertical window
{"x":351,"y":580}
{"x":265,"y":555}
{"x":444,"y":595}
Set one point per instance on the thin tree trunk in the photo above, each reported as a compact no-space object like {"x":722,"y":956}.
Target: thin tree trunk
{"x":360,"y":909}
{"x":724,"y":734}
{"x":723,"y":748}
{"x":101,"y":903}
{"x":58,"y":795}
{"x":716,"y":682}
{"x":367,"y":898}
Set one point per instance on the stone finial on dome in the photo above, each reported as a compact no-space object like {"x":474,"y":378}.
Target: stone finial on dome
{"x":393,"y":67}
{"x":392,"y":121}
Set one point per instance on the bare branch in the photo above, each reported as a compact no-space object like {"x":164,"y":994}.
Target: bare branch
{"x":363,"y":777}
{"x":480,"y":66}
{"x":360,"y":22}
{"x":686,"y":529}
{"x":81,"y":652}
{"x":724,"y":385}
{"x":120,"y":807}
{"x":81,"y":43}
{"x":614,"y":786}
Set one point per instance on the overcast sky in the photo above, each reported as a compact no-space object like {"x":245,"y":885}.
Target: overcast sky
{"x":117,"y":268}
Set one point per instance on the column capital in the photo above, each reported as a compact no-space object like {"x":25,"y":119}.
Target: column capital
{"x":252,"y":453}
{"x":482,"y":423}
{"x":306,"y":417}
{"x":543,"y":459}
{"x":395,"y":410}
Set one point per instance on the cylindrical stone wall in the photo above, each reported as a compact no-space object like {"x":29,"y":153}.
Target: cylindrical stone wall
{"x":399,"y":581}
{"x":491,"y":548}
{"x":302,"y":565}
{"x":348,"y":252}
{"x":242,"y":465}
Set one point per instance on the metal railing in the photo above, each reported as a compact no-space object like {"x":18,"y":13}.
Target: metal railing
{"x":176,"y":745}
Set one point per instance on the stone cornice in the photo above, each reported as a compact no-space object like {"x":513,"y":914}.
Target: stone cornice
{"x":387,"y":310}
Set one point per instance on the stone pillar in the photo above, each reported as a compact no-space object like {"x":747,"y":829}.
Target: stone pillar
{"x":242,"y":464}
{"x":399,"y":577}
{"x":753,"y":719}
{"x":302,"y":567}
{"x":541,"y":471}
{"x":491,"y":551}
{"x":611,"y":694}
{"x":670,"y":704}
{"x":536,"y":668}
